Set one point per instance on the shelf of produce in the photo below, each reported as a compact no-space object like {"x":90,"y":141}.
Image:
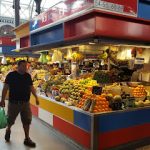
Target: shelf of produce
{"x":95,"y":131}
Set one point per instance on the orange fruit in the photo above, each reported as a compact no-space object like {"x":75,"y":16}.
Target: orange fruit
{"x":103,"y":95}
{"x":103,"y":106}
{"x":95,"y":111}
{"x":103,"y":109}
{"x":106,"y":109}
{"x":107,"y":102}
{"x":96,"y":107}
{"x":99,"y":110}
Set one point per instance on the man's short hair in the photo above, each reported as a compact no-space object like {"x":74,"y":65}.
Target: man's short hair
{"x":21,"y":61}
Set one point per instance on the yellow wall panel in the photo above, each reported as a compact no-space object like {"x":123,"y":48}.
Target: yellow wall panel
{"x":22,"y":30}
{"x":54,"y":108}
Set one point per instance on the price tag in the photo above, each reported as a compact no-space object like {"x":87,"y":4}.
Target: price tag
{"x":97,"y":90}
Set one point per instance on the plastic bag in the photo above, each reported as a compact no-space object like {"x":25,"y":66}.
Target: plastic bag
{"x":3,"y":118}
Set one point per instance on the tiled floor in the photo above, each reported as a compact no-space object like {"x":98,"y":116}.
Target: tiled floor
{"x":45,"y":138}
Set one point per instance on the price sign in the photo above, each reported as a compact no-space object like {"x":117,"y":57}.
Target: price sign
{"x":97,"y":90}
{"x":139,"y":61}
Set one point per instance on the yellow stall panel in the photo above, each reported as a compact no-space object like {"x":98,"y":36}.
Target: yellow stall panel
{"x":55,"y":108}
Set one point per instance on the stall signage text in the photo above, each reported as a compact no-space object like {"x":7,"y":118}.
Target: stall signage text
{"x":127,"y":7}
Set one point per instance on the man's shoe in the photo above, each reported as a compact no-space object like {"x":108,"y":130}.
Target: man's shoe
{"x":7,"y":135}
{"x":29,"y":142}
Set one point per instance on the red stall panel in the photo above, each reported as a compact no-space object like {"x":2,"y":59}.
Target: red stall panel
{"x":123,"y":136}
{"x":6,"y":41}
{"x":80,"y":136}
{"x":24,"y":42}
{"x":34,"y":110}
{"x":122,"y":29}
{"x":79,"y":28}
{"x":102,"y":24}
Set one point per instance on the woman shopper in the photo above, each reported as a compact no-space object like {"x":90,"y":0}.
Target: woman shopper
{"x":20,"y":87}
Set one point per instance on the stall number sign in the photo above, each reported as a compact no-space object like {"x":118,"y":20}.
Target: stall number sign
{"x":109,"y":6}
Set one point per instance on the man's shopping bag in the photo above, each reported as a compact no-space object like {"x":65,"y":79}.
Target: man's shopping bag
{"x":3,"y":118}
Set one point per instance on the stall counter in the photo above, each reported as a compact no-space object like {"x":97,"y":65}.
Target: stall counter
{"x":95,"y":131}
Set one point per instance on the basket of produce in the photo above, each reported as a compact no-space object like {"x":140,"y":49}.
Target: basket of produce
{"x":139,"y":92}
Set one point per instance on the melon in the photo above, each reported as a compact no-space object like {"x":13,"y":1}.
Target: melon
{"x":117,"y":98}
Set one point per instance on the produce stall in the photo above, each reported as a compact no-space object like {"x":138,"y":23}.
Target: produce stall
{"x":94,"y":130}
{"x":92,"y":118}
{"x":83,"y":79}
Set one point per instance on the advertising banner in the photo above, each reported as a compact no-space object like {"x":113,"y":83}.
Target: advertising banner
{"x":60,"y":11}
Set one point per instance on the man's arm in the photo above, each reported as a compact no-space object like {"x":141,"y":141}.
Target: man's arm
{"x":34,"y":93}
{"x":4,"y":92}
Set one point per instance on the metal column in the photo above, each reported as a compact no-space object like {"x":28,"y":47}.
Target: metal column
{"x":38,"y":6}
{"x":16,"y":6}
{"x":94,"y":132}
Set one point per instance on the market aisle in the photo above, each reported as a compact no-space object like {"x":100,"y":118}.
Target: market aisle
{"x":45,"y":138}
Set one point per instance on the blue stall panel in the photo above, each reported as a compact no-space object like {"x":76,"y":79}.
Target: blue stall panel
{"x":7,"y":50}
{"x":144,"y":9}
{"x":82,"y":120}
{"x":120,"y":120}
{"x":48,"y":36}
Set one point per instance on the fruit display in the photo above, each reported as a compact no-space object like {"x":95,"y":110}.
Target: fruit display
{"x":57,"y":56}
{"x":39,"y":74}
{"x":78,"y":92}
{"x":37,"y":83}
{"x":103,"y":56}
{"x":114,"y":89}
{"x":139,"y":91}
{"x":102,"y":77}
{"x":53,"y":83}
{"x":116,"y":103}
{"x":77,"y":56}
{"x":88,"y":82}
{"x":4,"y":69}
{"x":44,"y":58}
{"x":142,"y":103}
{"x":94,"y":103}
{"x":71,"y":91}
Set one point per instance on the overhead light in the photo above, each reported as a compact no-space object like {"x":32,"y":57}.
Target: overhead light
{"x":92,"y":43}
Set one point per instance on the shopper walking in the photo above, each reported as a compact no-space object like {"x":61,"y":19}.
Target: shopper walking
{"x":20,"y":87}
